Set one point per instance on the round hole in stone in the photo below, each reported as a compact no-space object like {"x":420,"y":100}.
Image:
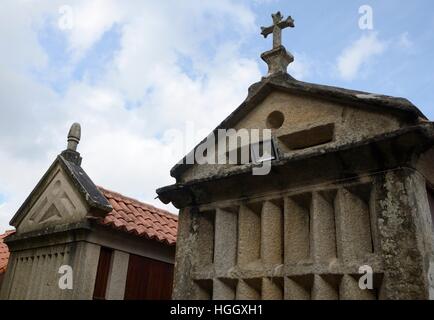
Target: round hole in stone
{"x":275,"y":120}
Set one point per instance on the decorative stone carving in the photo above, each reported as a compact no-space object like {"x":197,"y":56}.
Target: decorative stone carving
{"x":58,"y":204}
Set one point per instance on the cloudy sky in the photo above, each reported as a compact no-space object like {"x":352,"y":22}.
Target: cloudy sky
{"x":149,"y":79}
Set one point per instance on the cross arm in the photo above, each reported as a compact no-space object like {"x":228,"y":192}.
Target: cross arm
{"x":265,"y":31}
{"x":288,"y":22}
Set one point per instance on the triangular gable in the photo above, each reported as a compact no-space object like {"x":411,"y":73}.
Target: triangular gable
{"x":396,"y":107}
{"x":65,"y":194}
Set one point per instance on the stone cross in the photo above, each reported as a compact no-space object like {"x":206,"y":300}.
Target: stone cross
{"x":276,"y":28}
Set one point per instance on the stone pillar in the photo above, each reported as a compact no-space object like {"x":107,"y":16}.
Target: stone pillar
{"x":225,"y":247}
{"x":118,"y":276}
{"x":296,"y":232}
{"x":271,"y":234}
{"x":205,"y":239}
{"x":323,"y":232}
{"x":405,"y":237}
{"x":249,"y":238}
{"x":85,"y":267}
{"x":194,"y":251}
{"x":353,"y":226}
{"x":186,"y":246}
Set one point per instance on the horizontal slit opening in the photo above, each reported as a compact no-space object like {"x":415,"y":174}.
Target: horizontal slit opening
{"x":309,"y":137}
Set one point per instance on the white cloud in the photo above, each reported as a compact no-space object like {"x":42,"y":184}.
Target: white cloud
{"x":90,"y":19}
{"x":17,"y":22}
{"x":358,"y":54}
{"x":122,"y":148}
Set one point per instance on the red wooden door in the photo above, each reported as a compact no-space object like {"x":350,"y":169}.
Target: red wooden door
{"x":102,"y":275}
{"x":148,"y":279}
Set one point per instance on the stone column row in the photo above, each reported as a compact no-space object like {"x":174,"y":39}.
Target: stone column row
{"x":247,"y":235}
{"x":317,"y":226}
{"x":326,"y":287}
{"x":321,"y":226}
{"x":248,"y":289}
{"x":306,"y":287}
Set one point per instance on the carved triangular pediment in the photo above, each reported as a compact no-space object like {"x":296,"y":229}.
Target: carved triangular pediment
{"x":303,"y":123}
{"x":55,"y":205}
{"x":58,"y":203}
{"x":288,"y":113}
{"x":51,"y":214}
{"x":369,"y":114}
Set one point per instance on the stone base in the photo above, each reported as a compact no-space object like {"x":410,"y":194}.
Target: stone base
{"x":277,"y":60}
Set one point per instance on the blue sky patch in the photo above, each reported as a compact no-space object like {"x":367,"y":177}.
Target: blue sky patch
{"x":62,"y":69}
{"x":2,"y":198}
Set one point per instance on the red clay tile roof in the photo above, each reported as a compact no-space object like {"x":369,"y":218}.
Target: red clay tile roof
{"x":4,"y":251}
{"x":139,"y":218}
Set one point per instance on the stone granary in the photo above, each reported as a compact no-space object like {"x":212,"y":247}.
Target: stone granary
{"x":350,"y":186}
{"x":113,"y":246}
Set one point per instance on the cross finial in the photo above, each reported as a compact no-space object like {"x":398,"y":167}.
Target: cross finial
{"x":276,"y":28}
{"x":277,"y":58}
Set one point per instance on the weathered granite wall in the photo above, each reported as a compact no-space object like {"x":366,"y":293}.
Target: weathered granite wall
{"x":34,"y":273}
{"x":309,"y":243}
